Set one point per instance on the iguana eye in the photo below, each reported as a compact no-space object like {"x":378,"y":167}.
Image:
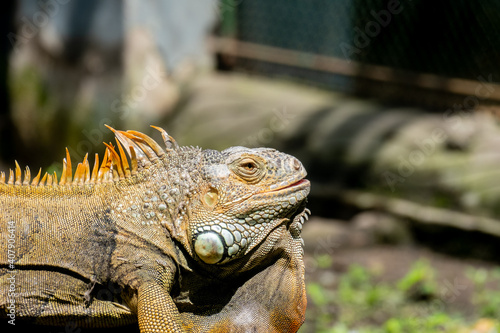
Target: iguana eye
{"x":248,"y":165}
{"x":248,"y":169}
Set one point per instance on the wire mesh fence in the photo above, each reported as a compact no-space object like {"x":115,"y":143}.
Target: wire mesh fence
{"x":355,"y":45}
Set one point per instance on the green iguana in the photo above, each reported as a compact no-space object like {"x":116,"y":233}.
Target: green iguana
{"x":178,"y":239}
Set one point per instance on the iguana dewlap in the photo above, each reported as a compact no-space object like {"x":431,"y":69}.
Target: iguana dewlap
{"x":178,"y":239}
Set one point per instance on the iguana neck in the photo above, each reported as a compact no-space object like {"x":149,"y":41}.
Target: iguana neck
{"x":159,"y":195}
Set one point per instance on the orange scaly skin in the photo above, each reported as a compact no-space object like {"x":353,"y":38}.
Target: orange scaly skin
{"x":176,"y":239}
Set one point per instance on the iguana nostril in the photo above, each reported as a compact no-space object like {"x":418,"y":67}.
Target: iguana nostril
{"x":296,"y":164}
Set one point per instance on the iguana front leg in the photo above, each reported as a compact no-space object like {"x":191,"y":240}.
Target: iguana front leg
{"x":271,"y":301}
{"x":156,"y":310}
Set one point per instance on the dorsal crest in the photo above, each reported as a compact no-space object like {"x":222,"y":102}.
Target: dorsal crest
{"x":133,"y":146}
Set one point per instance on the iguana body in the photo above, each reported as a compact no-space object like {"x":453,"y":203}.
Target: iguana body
{"x":177,"y":239}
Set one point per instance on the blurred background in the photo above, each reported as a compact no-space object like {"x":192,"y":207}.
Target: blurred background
{"x":392,"y":106}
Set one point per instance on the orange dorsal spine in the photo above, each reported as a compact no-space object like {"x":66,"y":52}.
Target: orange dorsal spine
{"x":132,"y":145}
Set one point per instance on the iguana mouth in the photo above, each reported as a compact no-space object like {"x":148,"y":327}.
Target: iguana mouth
{"x":298,"y":185}
{"x":286,"y":190}
{"x":301,"y":182}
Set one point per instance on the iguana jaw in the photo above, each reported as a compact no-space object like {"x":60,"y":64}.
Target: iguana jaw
{"x":275,"y":208}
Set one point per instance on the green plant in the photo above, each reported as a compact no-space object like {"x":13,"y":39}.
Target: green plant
{"x":322,"y":308}
{"x":419,"y":283}
{"x":324,"y":261}
{"x":486,"y":298}
{"x":433,"y":323}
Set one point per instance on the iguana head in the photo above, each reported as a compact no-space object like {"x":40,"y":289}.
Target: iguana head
{"x":243,"y":195}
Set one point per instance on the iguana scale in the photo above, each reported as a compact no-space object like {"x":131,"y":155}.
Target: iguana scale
{"x":177,"y":239}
